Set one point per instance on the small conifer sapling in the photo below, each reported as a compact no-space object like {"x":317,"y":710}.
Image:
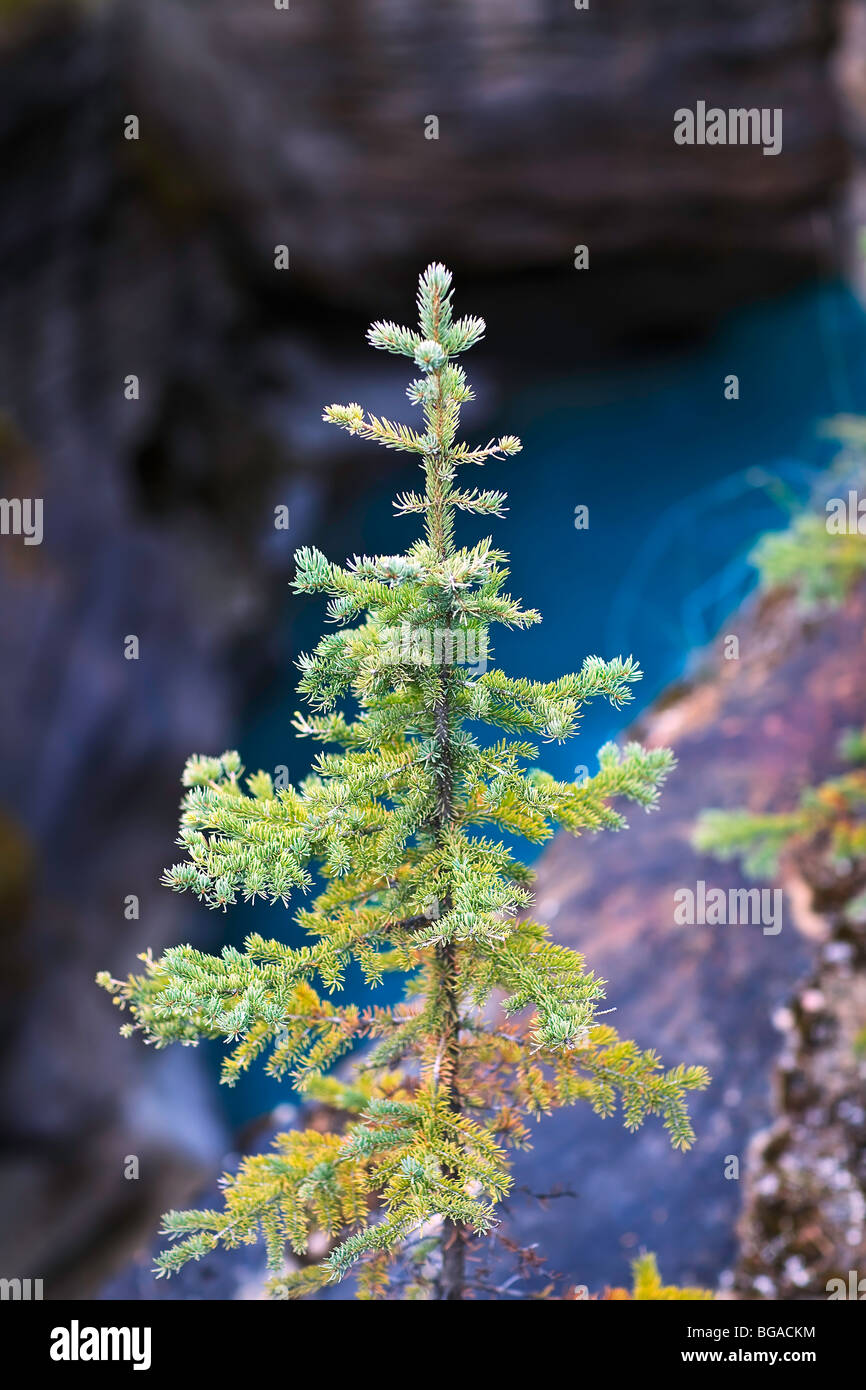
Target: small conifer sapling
{"x":403,"y":824}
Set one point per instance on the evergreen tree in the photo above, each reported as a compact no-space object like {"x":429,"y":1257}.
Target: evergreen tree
{"x":396,"y":824}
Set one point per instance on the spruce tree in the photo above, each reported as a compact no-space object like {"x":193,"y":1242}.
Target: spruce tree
{"x":499,"y":1024}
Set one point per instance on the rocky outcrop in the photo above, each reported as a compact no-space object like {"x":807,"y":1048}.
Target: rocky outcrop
{"x":550,"y":126}
{"x":752,"y":732}
{"x":803,"y":1227}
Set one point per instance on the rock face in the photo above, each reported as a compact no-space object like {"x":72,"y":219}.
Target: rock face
{"x":495,"y":134}
{"x":306,"y":128}
{"x":803,"y":1227}
{"x":749,"y":732}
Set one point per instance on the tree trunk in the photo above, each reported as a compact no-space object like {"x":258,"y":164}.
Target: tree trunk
{"x":453,"y":1244}
{"x":451,"y":1282}
{"x":453,"y":1279}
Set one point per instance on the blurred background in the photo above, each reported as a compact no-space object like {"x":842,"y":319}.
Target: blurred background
{"x":154,"y":257}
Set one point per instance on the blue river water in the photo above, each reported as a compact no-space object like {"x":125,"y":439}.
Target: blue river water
{"x":678,"y":481}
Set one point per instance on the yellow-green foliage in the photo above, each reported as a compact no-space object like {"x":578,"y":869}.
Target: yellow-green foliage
{"x":395,"y":822}
{"x":812,"y":556}
{"x":648,"y":1287}
{"x":832,"y":816}
{"x":820,"y":563}
{"x":806,"y":557}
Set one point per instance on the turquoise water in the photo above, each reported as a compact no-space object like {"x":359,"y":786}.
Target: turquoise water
{"x":679,"y":482}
